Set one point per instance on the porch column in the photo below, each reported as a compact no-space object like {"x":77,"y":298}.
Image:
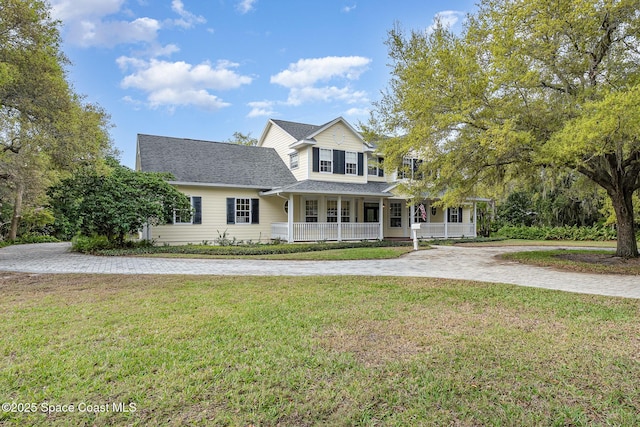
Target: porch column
{"x":381,"y":218}
{"x":290,"y":220}
{"x":475,"y":219}
{"x":412,"y":220}
{"x":339,"y":218}
{"x":446,"y":222}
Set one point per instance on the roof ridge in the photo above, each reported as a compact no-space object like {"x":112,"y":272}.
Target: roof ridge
{"x":233,"y":144}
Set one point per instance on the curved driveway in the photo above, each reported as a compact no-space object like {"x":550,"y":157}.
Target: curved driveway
{"x":452,"y":262}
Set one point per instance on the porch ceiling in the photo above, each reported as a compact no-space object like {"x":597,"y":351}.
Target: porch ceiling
{"x":370,"y":189}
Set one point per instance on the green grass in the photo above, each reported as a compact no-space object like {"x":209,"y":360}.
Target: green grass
{"x":315,"y":351}
{"x":584,"y":261}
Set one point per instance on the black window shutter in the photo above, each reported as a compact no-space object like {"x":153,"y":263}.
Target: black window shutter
{"x":380,"y":166}
{"x":316,"y":159}
{"x":360,"y":164}
{"x":460,"y":214}
{"x":448,"y":214}
{"x":197,"y":210}
{"x":255,"y":211}
{"x":231,"y":210}
{"x":338,"y":161}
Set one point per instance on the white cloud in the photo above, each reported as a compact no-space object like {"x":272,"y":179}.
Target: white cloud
{"x":171,"y":98}
{"x":304,"y":95}
{"x":261,"y":109}
{"x":78,"y":10}
{"x":246,"y":6}
{"x":179,"y":83}
{"x":109,"y":34}
{"x":187,"y":19}
{"x":155,"y":50}
{"x":307,"y":72}
{"x":303,"y":77}
{"x":357,"y":112}
{"x":446,"y":18}
{"x":348,"y":9}
{"x":93,"y":22}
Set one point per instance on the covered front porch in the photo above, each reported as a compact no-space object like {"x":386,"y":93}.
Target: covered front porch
{"x":318,"y":211}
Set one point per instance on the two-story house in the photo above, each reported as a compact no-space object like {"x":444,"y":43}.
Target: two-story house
{"x":301,"y":183}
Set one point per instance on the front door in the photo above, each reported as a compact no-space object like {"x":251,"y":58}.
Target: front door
{"x":371,"y":212}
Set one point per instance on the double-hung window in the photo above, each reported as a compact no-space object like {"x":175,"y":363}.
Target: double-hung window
{"x":346,"y":211}
{"x":454,"y":214}
{"x":351,"y":163}
{"x":410,"y":169}
{"x":326,"y":160}
{"x":294,"y":160}
{"x":332,"y":211}
{"x":407,"y":168}
{"x":311,"y":211}
{"x":375,"y":166}
{"x":243,"y":210}
{"x":192,"y":215}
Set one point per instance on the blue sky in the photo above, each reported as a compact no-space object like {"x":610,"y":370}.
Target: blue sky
{"x":208,"y":68}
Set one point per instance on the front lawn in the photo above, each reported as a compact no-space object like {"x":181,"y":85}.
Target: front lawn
{"x":583,"y":261}
{"x":312,"y":351}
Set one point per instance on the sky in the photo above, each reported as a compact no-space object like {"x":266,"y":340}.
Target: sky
{"x":205,"y":69}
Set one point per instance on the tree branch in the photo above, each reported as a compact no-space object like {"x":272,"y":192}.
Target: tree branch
{"x":563,"y":89}
{"x":14,"y":147}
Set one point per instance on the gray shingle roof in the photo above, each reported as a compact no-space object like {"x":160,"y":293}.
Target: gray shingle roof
{"x":208,"y":162}
{"x":378,"y":189}
{"x":297,"y":130}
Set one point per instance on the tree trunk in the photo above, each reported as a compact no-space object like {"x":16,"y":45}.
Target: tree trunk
{"x":623,"y":205}
{"x":17,"y":210}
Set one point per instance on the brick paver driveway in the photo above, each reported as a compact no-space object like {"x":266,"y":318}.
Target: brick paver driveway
{"x":452,"y":262}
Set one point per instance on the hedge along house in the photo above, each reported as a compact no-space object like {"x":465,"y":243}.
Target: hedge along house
{"x":301,"y":183}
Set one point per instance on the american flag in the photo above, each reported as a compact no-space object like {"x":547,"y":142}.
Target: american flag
{"x":423,"y":212}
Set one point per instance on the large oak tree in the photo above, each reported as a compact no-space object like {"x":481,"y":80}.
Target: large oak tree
{"x":45,"y":128}
{"x":528,"y":84}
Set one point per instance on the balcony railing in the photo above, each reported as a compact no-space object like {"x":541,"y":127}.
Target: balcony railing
{"x":315,"y":231}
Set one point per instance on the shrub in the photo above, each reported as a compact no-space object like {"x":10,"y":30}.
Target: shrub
{"x":557,"y":233}
{"x":253,"y":249}
{"x":36,"y":238}
{"x":29,"y":238}
{"x":90,"y":245}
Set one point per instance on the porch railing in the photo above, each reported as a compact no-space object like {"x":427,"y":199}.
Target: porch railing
{"x":437,"y":230}
{"x":314,"y":231}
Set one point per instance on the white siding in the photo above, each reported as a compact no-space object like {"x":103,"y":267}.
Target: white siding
{"x":214,"y":218}
{"x":279,"y":140}
{"x":338,"y":137}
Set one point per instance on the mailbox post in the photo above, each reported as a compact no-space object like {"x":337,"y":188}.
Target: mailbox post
{"x":414,"y":233}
